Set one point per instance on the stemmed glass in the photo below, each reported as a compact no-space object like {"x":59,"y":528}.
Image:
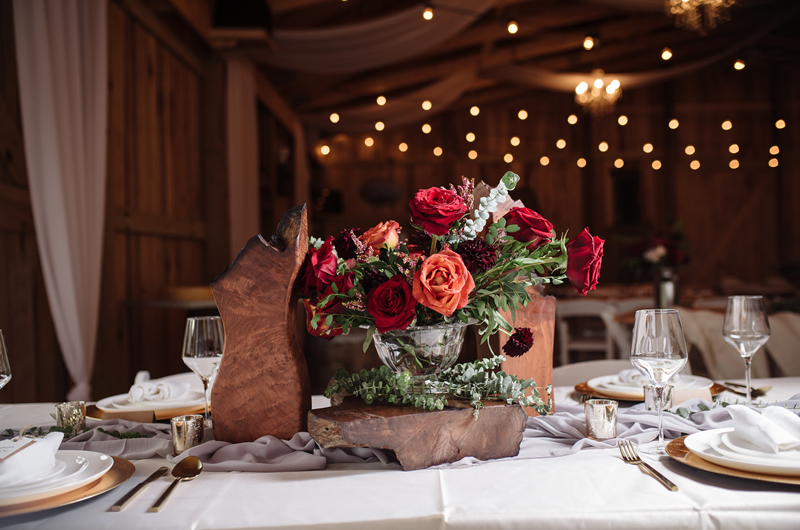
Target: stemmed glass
{"x":658,"y":351}
{"x":5,"y":368}
{"x":203,"y":344}
{"x":746,"y":328}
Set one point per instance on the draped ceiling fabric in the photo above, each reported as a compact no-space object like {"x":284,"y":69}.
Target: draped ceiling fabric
{"x":63,"y":79}
{"x":400,"y":110}
{"x":375,"y":43}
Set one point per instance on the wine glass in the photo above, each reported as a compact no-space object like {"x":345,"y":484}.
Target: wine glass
{"x":658,"y":351}
{"x":746,"y":328}
{"x":203,"y":344}
{"x":5,"y":368}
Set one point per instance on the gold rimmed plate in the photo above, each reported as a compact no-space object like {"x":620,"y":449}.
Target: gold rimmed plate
{"x":120,"y":471}
{"x":677,"y":450}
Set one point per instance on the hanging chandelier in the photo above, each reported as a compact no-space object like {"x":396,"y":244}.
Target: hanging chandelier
{"x":699,"y":15}
{"x":595,"y":96}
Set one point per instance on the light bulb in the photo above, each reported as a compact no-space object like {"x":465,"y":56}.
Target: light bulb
{"x":334,"y":118}
{"x":512,"y":27}
{"x":427,"y":14}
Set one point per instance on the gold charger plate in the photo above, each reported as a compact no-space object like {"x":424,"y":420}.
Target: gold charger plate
{"x":584,"y":388}
{"x":678,"y":451}
{"x":141,"y":416}
{"x":120,"y":471}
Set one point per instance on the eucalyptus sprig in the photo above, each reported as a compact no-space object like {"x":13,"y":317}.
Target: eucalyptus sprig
{"x":476,"y":381}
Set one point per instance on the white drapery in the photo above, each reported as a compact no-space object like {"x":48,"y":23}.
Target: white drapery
{"x":367,"y":45}
{"x":63,"y":77}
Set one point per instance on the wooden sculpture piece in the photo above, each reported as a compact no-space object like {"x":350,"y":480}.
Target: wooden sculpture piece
{"x":263,"y":385}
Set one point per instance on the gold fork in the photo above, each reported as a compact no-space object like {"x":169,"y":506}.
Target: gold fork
{"x":630,"y":456}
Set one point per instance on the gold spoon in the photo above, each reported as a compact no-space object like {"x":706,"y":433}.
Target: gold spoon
{"x":186,"y":469}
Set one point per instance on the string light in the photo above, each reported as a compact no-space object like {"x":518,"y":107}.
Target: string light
{"x":603,"y":147}
{"x":523,"y":114}
{"x":475,"y":111}
{"x":369,"y":142}
{"x":470,"y":137}
{"x":403,"y":147}
{"x":780,"y":124}
{"x":561,"y":143}
{"x":379,"y":126}
{"x":734,"y":148}
{"x":325,"y":150}
{"x":673,"y":123}
{"x":734,"y":164}
{"x":739,"y":65}
{"x":588,"y":43}
{"x":656,"y":165}
{"x":508,"y":158}
{"x":727,"y":125}
{"x":544,"y":160}
{"x":689,"y":150}
{"x":647,"y":148}
{"x":774,"y":150}
{"x":437,"y":151}
{"x":622,"y":120}
{"x":426,"y":128}
{"x":618,"y":163}
{"x":334,"y":118}
{"x":427,"y":14}
{"x":572,"y":119}
{"x":381,"y":101}
{"x":581,"y":162}
{"x":514,"y":141}
{"x":512,"y":27}
{"x":427,"y":105}
{"x":472,"y":154}
{"x":695,"y":165}
{"x":666,"y":54}
{"x":773,"y":162}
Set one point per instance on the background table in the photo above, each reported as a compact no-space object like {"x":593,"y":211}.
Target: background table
{"x":591,"y":489}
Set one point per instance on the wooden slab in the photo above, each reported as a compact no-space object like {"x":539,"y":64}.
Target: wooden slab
{"x":262,"y":386}
{"x":421,"y":438}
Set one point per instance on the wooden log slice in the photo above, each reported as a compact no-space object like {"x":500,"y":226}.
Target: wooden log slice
{"x":422,"y":438}
{"x":262,"y":386}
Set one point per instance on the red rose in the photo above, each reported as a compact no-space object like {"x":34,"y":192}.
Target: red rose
{"x":584,"y":257}
{"x":532,"y":227}
{"x":320,"y":268}
{"x":436,"y":209}
{"x":392,"y":304}
{"x":322,"y":330}
{"x":343,"y":282}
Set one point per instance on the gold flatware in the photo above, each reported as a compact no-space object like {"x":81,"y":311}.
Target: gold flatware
{"x":630,"y":456}
{"x":186,"y":469}
{"x":754,"y":392}
{"x":157,"y":474}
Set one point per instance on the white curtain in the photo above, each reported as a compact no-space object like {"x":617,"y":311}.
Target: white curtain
{"x":63,"y":78}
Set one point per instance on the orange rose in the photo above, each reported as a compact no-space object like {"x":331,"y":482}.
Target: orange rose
{"x":443,"y":283}
{"x":382,"y":234}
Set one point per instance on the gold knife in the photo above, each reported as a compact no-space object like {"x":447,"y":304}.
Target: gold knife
{"x":157,"y":474}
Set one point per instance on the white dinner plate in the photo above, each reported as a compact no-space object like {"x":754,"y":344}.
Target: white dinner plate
{"x":82,"y":468}
{"x":611,"y":385}
{"x":120,"y":403}
{"x":734,"y":443}
{"x":54,"y":473}
{"x":703,"y":445}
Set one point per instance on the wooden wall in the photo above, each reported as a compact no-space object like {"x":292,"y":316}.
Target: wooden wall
{"x":38,"y":372}
{"x":739,"y":222}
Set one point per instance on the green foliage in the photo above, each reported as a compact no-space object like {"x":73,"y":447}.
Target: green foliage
{"x":476,"y":381}
{"x":125,"y":435}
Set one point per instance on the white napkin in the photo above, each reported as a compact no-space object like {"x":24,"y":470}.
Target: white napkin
{"x":767,"y":431}
{"x":145,"y":390}
{"x":31,"y":461}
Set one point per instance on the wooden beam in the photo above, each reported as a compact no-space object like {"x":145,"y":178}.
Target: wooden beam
{"x":198,"y":13}
{"x":159,"y":225}
{"x":271,"y":99}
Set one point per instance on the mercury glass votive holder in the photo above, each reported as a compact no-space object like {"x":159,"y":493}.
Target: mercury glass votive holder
{"x":71,"y":414}
{"x":601,"y":418}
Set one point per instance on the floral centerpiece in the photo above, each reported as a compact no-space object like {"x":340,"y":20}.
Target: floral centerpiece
{"x":415,"y":297}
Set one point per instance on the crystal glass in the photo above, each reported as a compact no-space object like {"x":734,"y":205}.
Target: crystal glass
{"x":658,"y":351}
{"x":5,"y":368}
{"x":203,"y":344}
{"x":746,"y":328}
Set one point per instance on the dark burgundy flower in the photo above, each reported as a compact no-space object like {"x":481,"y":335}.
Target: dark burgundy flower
{"x":478,"y":255}
{"x":518,"y":343}
{"x":344,"y":245}
{"x":371,"y":279}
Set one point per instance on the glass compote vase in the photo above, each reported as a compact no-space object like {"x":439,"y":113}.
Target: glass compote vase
{"x":424,"y":351}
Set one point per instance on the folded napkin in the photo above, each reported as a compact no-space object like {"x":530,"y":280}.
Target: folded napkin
{"x":771,"y":431}
{"x":145,"y":390}
{"x":31,"y":461}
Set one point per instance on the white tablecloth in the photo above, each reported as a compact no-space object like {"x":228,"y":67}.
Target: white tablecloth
{"x":591,"y":489}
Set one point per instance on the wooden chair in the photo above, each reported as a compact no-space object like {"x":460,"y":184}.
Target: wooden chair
{"x":621,"y":333}
{"x":578,"y":339}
